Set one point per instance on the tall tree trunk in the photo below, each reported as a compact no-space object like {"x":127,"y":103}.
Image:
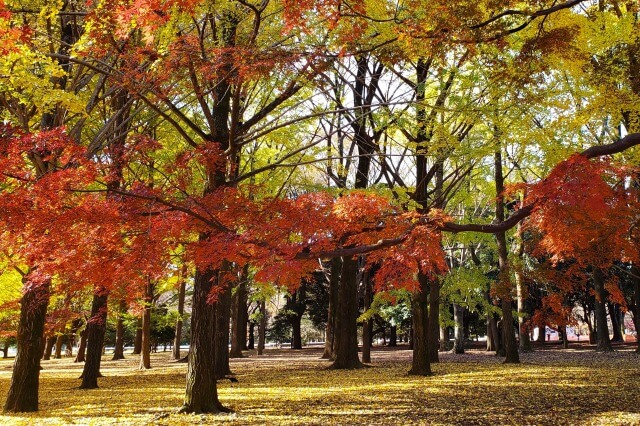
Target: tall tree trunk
{"x":542,"y":333}
{"x":334,"y":285}
{"x":58,"y":345}
{"x":251,"y":340}
{"x":96,"y":327}
{"x":346,"y":331}
{"x":393,"y":336}
{"x":262,"y":327}
{"x":50,"y":342}
{"x":23,"y":390}
{"x":602,"y":334}
{"x":522,"y":293}
{"x":615,"y":322}
{"x":137,"y":341}
{"x":223,"y":317}
{"x":458,"y":315}
{"x":504,"y":290}
{"x":118,"y":352}
{"x":296,"y":332}
{"x":420,"y":364}
{"x":239,"y":318}
{"x":177,"y":340}
{"x":636,"y":316}
{"x":82,"y":347}
{"x":367,"y":326}
{"x":434,"y":319}
{"x":201,"y":395}
{"x":563,"y":335}
{"x":5,"y":349}
{"x":145,"y":354}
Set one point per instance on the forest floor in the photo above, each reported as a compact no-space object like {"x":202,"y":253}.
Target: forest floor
{"x":552,"y":386}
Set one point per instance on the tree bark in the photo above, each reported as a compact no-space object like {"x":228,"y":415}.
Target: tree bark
{"x":145,"y":354}
{"x":48,"y":347}
{"x":367,"y":326}
{"x":251,"y":340}
{"x":23,"y":390}
{"x":420,"y":364}
{"x":223,"y":317}
{"x":177,"y":340}
{"x":58,"y":345}
{"x":346,"y":332}
{"x":603,"y":343}
{"x":458,"y":315}
{"x":201,"y":395}
{"x":508,"y":333}
{"x":636,"y":316}
{"x":118,"y":352}
{"x":334,"y":285}
{"x":239,"y":318}
{"x":96,"y":327}
{"x":262,"y":327}
{"x":434,"y":319}
{"x":5,"y":349}
{"x":137,"y":341}
{"x":82,"y":347}
{"x":615,"y":322}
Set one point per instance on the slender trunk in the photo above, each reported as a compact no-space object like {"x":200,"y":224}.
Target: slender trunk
{"x":177,"y":340}
{"x":563,"y":334}
{"x":522,"y":293}
{"x":367,"y":326}
{"x":239,"y":318}
{"x":58,"y":346}
{"x":434,"y":319}
{"x":118,"y":352}
{"x":23,"y":390}
{"x":223,"y":317}
{"x":251,"y":340}
{"x":137,"y":341}
{"x":615,"y":322}
{"x":602,"y":335}
{"x":5,"y":349}
{"x":458,"y":315}
{"x":201,"y":395}
{"x":96,"y":327}
{"x":346,"y":331}
{"x":541,"y":334}
{"x":262,"y":327}
{"x":145,"y":354}
{"x":636,"y":316}
{"x":393,"y":336}
{"x":420,"y":364}
{"x":48,"y":347}
{"x":334,"y":281}
{"x":443,"y":343}
{"x":296,"y":334}
{"x":508,"y":333}
{"x":82,"y":348}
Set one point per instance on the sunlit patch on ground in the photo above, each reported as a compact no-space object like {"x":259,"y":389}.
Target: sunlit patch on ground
{"x":285,"y":387}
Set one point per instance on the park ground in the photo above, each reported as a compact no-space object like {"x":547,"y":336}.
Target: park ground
{"x":552,"y":386}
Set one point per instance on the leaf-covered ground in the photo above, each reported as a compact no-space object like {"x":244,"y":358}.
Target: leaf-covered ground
{"x":285,"y":387}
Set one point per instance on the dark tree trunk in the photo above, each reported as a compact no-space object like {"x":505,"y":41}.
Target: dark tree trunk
{"x":251,"y":340}
{"x":420,"y":365}
{"x":615,"y":322}
{"x":82,"y":348}
{"x":145,"y":354}
{"x":367,"y":326}
{"x":118,"y":352}
{"x":636,"y":316}
{"x":223,"y":317}
{"x":346,"y":331}
{"x":201,"y":395}
{"x":542,"y":332}
{"x":602,"y":334}
{"x":434,"y":319}
{"x":177,"y":340}
{"x":334,"y":285}
{"x":5,"y":349}
{"x":239,"y":318}
{"x":262,"y":327}
{"x":137,"y":341}
{"x":508,"y":332}
{"x":23,"y":390}
{"x":563,"y":335}
{"x":58,"y":346}
{"x":296,"y":334}
{"x":96,"y":327}
{"x":393,"y":336}
{"x":48,"y":347}
{"x":458,"y":315}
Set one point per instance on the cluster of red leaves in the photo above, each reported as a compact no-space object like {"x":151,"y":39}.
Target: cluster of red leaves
{"x":584,"y":211}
